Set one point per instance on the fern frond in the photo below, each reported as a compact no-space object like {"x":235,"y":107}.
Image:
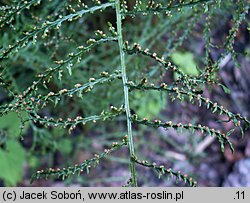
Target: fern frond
{"x":78,"y":169}
{"x":222,"y":137}
{"x":33,"y":35}
{"x":161,"y":170}
{"x":181,"y":94}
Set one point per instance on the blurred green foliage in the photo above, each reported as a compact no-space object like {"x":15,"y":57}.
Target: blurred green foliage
{"x":185,"y":60}
{"x":12,"y":153}
{"x":11,"y":124}
{"x":12,"y":159}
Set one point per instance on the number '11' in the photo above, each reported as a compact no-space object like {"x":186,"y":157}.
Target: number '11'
{"x":240,"y":195}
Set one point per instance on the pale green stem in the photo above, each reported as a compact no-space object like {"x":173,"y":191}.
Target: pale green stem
{"x":126,"y":96}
